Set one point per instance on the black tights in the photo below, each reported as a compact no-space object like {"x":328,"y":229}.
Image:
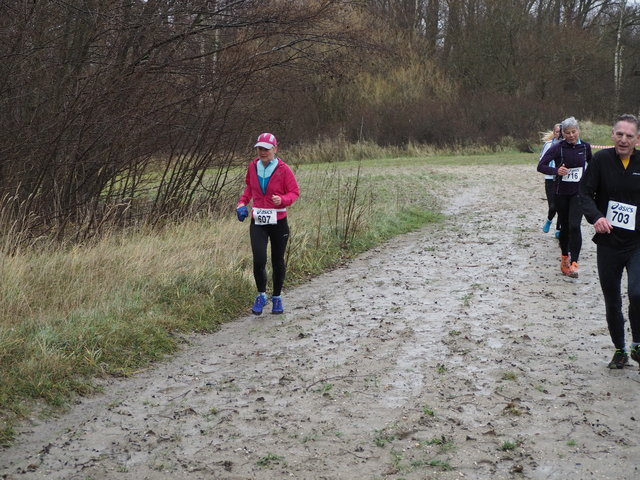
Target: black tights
{"x":260,"y":235}
{"x":549,"y":187}
{"x":611,"y":263}
{"x":570,"y":218}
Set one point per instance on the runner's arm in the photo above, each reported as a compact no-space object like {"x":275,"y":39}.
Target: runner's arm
{"x":547,"y":158}
{"x":292,"y":191}
{"x":588,"y":189}
{"x":545,"y":147}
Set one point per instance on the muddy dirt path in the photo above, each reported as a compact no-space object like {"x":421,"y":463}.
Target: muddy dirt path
{"x":458,"y":351}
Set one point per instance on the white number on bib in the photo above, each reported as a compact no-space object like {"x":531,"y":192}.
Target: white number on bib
{"x":265,"y":216}
{"x":622,"y":215}
{"x":573,"y":175}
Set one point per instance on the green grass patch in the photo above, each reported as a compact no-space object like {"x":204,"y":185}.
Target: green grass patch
{"x":443,"y":442}
{"x":428,"y":411}
{"x":444,"y":465}
{"x":382,"y":437}
{"x":270,"y":459}
{"x":324,"y":389}
{"x":442,"y":159}
{"x":508,"y":445}
{"x":338,"y":150}
{"x":596,"y":134}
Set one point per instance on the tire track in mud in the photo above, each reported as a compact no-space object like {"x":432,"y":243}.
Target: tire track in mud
{"x":457,"y":351}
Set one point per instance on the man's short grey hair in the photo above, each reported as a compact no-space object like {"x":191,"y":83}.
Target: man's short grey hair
{"x":570,"y":122}
{"x":627,"y":117}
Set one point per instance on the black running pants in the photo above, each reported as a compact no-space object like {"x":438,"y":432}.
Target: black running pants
{"x":570,"y":218}
{"x":611,"y":263}
{"x":549,"y":190}
{"x":260,"y":235}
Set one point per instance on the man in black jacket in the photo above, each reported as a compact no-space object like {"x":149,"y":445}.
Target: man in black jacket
{"x":610,"y":199}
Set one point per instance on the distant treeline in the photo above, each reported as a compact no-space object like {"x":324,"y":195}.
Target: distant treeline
{"x":116,"y":112}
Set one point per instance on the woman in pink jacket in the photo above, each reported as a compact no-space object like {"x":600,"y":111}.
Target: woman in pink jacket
{"x":273,"y":187}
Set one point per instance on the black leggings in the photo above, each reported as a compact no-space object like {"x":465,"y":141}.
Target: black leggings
{"x":611,"y":263}
{"x":570,"y":218}
{"x":549,"y":187}
{"x":260,"y":235}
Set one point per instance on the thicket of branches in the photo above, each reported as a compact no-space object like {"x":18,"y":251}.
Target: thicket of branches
{"x":119,"y":111}
{"x":115,"y":109}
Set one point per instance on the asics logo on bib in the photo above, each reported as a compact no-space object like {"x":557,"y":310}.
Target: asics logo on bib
{"x":621,"y":208}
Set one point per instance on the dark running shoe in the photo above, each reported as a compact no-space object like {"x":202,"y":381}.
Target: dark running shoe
{"x":635,"y":353}
{"x":258,"y":305}
{"x":276,"y":305}
{"x":619,"y":360}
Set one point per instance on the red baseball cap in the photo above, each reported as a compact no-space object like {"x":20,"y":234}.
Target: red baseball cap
{"x":267,"y":140}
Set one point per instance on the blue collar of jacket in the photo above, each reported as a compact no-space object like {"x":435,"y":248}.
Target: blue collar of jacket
{"x":265,"y":172}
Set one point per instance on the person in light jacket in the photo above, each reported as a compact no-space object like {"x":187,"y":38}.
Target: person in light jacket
{"x":550,"y":138}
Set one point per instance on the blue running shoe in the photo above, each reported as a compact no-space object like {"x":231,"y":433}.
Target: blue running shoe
{"x":558,"y":234}
{"x":258,"y":305}
{"x":276,"y":303}
{"x":546,"y":226}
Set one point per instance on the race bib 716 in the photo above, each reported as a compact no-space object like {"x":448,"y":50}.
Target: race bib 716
{"x":574,"y":175}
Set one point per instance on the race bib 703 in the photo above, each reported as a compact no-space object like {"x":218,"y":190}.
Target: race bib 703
{"x":622,"y":215}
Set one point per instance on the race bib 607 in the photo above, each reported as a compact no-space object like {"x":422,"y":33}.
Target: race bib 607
{"x":265,"y":216}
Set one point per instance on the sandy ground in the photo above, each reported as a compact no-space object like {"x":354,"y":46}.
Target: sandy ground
{"x":458,"y":351}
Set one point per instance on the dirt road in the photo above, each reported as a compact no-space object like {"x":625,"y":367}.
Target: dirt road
{"x":458,"y":351}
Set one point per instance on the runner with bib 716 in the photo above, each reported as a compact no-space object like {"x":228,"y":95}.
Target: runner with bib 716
{"x":570,"y":157}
